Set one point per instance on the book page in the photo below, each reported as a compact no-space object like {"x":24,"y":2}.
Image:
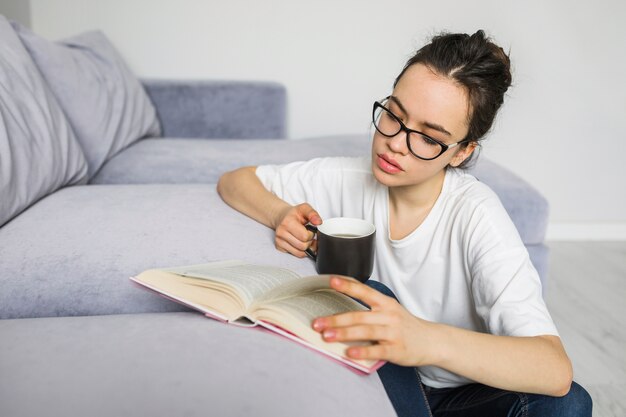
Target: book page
{"x":296,"y":287}
{"x":296,"y":314}
{"x":218,"y":299}
{"x":251,"y":281}
{"x":307,"y":307}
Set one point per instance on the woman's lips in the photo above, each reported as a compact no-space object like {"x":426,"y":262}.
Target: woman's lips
{"x":388,"y":165}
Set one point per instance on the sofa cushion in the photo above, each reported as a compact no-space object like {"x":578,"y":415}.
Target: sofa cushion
{"x":72,"y":253}
{"x":174,"y":160}
{"x":105,"y":103}
{"x":174,"y":364}
{"x":161,"y":160}
{"x":38,"y":149}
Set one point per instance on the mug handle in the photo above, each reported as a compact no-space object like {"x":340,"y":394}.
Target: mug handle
{"x":309,"y":251}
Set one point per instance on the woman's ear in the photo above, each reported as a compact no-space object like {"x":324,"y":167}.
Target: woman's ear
{"x":462,"y":154}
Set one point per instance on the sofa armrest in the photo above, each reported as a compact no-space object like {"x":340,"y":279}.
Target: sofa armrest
{"x":219,"y":109}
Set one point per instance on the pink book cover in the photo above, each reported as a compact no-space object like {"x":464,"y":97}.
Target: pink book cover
{"x":353,"y":366}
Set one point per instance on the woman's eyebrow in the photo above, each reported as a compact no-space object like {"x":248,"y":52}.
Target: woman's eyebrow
{"x":430,"y":125}
{"x":395,"y":100}
{"x":438,"y":128}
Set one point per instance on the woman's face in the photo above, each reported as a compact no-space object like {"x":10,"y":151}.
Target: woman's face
{"x":433,"y":105}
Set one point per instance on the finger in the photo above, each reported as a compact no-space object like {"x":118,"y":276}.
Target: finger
{"x":348,"y":319}
{"x":284,"y":246}
{"x":360,"y":291}
{"x":293,"y":240}
{"x":299,"y":232}
{"x":375,"y":352}
{"x":310,"y":215}
{"x":291,"y":225}
{"x":368,"y":332}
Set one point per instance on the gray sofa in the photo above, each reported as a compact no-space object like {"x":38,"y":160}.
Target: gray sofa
{"x":78,"y":338}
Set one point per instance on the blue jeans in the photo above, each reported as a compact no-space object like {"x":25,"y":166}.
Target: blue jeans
{"x":411,"y":398}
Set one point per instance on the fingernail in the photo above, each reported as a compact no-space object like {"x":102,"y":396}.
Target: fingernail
{"x":354,"y":352}
{"x":329,"y":334}
{"x":318,"y":325}
{"x":335,"y":281}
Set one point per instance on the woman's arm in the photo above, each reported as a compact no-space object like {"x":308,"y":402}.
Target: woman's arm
{"x":242,"y":190}
{"x":524,"y":364}
{"x":536,"y":364}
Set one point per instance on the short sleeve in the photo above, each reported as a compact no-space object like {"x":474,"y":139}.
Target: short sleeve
{"x":282,"y":180}
{"x":293,"y":182}
{"x":505,"y":285}
{"x":337,"y":186}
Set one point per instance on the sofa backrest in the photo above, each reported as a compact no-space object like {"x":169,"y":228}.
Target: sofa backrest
{"x":220,"y":109}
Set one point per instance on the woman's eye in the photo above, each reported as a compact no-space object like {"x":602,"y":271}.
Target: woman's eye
{"x":429,"y":141}
{"x":389,"y":116}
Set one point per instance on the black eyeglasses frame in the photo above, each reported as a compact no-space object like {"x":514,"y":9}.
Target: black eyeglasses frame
{"x":403,"y":128}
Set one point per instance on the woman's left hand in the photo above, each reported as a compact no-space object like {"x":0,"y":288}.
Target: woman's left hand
{"x":399,"y":336}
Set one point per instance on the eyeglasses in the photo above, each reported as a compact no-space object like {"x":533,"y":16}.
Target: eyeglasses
{"x":420,"y":145}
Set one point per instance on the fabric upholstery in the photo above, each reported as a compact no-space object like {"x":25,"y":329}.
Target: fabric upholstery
{"x":169,"y":160}
{"x":38,"y":149}
{"x":104,"y":102}
{"x":171,"y":364}
{"x":72,"y":253}
{"x":219,"y":109}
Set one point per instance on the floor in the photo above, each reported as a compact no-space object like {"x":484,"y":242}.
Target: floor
{"x":586,"y":295}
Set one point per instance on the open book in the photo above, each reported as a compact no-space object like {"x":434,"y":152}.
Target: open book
{"x":257,"y":295}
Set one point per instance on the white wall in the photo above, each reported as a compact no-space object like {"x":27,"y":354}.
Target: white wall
{"x":562,"y":128}
{"x":18,"y":10}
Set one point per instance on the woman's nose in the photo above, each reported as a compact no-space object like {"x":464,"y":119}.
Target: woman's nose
{"x":398,"y":143}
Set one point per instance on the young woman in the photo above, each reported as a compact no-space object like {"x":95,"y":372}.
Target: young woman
{"x":470,"y":316}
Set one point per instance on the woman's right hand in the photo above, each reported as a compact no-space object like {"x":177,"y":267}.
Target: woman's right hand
{"x":291,"y":235}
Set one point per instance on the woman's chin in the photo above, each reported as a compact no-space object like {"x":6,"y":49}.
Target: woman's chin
{"x":383,"y":177}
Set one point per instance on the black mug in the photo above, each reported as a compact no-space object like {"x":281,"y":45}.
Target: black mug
{"x":345,"y":246}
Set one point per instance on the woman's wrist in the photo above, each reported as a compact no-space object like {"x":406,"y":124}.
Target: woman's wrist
{"x":434,"y":339}
{"x":278,"y":212}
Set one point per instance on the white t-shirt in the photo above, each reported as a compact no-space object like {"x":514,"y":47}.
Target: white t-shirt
{"x":465,"y":265}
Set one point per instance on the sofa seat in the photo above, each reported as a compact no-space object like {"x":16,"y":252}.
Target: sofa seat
{"x":79,"y":264}
{"x":71,"y":254}
{"x":171,"y":364}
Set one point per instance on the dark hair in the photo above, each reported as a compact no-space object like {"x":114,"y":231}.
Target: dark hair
{"x":476,"y":63}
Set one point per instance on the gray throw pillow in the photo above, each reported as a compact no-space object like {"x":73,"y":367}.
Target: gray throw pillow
{"x":39,"y":152}
{"x":104,"y":102}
